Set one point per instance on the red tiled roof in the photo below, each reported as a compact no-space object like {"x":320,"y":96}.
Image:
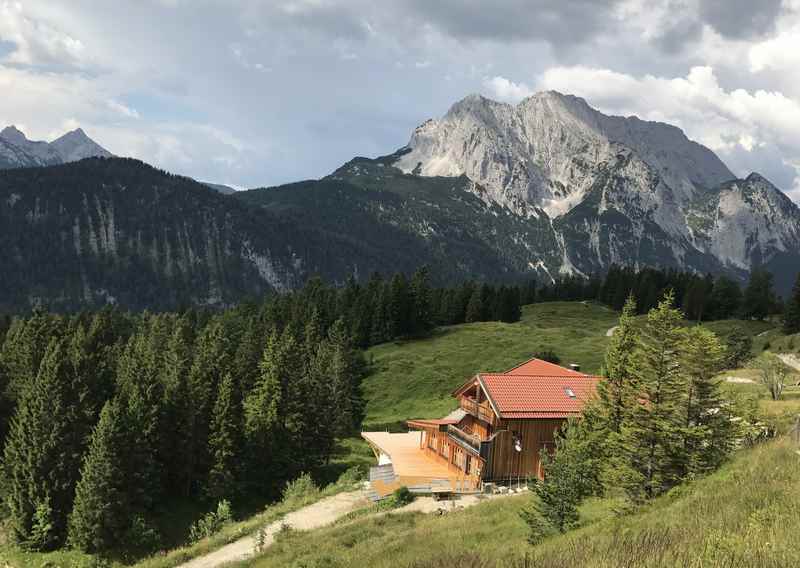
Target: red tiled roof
{"x":516,"y":395}
{"x":540,"y":367}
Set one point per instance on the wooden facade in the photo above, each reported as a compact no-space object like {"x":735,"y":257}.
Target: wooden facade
{"x":503,"y":423}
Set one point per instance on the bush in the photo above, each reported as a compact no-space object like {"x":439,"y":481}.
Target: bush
{"x":351,"y":476}
{"x":402,"y":496}
{"x":212,"y":522}
{"x":301,"y":489}
{"x":548,"y":355}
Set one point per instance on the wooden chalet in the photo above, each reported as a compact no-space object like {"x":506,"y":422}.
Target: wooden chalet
{"x":502,"y":422}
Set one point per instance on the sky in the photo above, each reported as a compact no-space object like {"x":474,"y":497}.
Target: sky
{"x":261,"y":92}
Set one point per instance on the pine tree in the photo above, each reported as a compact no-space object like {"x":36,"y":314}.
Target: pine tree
{"x":707,"y":432}
{"x":265,"y":411}
{"x":177,"y":410}
{"x":225,"y":441}
{"x":791,"y":318}
{"x":647,"y":461}
{"x":344,"y":370}
{"x":618,"y":387}
{"x":475,"y":307}
{"x":422,"y":319}
{"x":570,"y":475}
{"x":40,"y":474}
{"x":759,"y":296}
{"x":726,"y":298}
{"x":210,"y":362}
{"x":99,"y":515}
{"x":140,"y":395}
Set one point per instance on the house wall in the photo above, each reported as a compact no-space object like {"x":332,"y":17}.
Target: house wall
{"x":477,"y":427}
{"x":504,"y":462}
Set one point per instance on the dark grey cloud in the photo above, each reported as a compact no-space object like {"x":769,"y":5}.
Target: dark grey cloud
{"x":741,"y":19}
{"x":560,"y":23}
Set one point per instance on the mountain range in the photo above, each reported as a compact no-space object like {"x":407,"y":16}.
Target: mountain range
{"x":16,"y":151}
{"x":490,"y":191}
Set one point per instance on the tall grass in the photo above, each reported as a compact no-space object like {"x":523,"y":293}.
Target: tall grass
{"x":745,"y":515}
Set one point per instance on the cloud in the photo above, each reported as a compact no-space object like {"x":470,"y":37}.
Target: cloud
{"x":507,"y":91}
{"x":35,"y":42}
{"x":741,"y":19}
{"x":735,"y":123}
{"x":307,"y":84}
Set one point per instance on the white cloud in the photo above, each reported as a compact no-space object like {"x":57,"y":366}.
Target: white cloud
{"x":35,"y":42}
{"x":122,"y":109}
{"x":505,"y":90}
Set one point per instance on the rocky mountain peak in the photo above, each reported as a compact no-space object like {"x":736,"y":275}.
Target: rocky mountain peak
{"x":13,"y":134}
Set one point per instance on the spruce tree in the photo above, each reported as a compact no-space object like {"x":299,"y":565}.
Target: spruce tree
{"x":791,"y":318}
{"x":39,"y":464}
{"x":707,"y":432}
{"x":475,"y":308}
{"x":422,"y":318}
{"x":225,"y":442}
{"x":99,"y":516}
{"x":141,"y":398}
{"x":177,"y":410}
{"x":759,"y":296}
{"x":210,"y":362}
{"x":619,"y":385}
{"x":647,"y":460}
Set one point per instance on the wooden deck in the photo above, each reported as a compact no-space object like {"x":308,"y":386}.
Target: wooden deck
{"x":412,"y":465}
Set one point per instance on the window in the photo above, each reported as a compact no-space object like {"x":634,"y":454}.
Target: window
{"x":569,"y":392}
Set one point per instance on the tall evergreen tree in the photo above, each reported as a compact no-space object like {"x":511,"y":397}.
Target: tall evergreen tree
{"x":759,"y":296}
{"x":791,"y":317}
{"x":475,"y":307}
{"x":99,"y":517}
{"x":707,"y":430}
{"x":141,"y":398}
{"x":619,"y":386}
{"x":422,"y":318}
{"x":647,"y":461}
{"x":225,"y":442}
{"x":40,"y":467}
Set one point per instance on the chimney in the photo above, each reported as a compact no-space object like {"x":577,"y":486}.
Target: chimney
{"x":575,"y":367}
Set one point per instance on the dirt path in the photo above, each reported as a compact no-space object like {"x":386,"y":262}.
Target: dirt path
{"x":317,"y":515}
{"x":790,"y":360}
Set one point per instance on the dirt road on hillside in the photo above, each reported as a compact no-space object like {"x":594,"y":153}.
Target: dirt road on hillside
{"x":790,"y":360}
{"x":317,"y":515}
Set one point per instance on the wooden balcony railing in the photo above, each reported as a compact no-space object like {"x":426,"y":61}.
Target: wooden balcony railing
{"x":479,"y":411}
{"x":470,"y":440}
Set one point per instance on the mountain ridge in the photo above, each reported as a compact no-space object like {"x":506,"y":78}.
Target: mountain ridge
{"x":484,"y":193}
{"x":16,"y":150}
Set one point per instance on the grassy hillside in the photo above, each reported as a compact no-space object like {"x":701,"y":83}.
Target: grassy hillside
{"x":414,"y":379}
{"x":747,"y":514}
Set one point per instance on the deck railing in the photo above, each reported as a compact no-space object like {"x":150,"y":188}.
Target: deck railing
{"x":479,"y":411}
{"x":470,"y":440}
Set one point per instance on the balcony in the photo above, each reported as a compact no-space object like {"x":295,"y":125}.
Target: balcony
{"x":468,"y":441}
{"x":479,"y":410}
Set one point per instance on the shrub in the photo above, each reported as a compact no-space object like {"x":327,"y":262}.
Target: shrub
{"x":212,"y":522}
{"x":351,"y":476}
{"x":548,"y":355}
{"x":402,"y":496}
{"x":300,"y":489}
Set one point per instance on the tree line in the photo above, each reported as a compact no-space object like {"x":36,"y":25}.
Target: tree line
{"x":700,"y":298}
